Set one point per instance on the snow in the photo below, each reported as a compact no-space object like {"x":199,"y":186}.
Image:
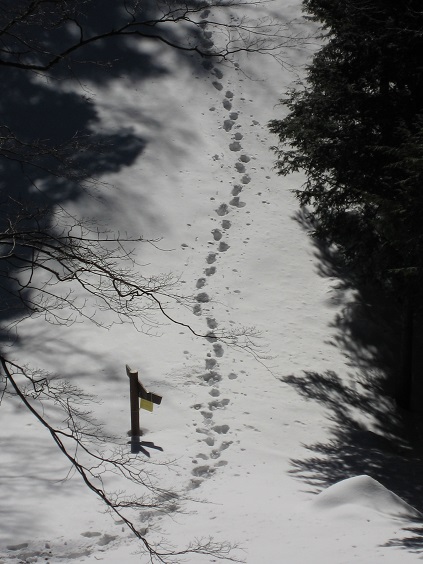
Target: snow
{"x":243,"y":433}
{"x":365,"y":492}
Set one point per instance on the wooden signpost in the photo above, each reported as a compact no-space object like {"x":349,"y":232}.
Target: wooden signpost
{"x":140,"y":398}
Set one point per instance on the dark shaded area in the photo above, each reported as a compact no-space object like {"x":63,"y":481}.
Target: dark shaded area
{"x":367,"y":330}
{"x":52,"y":157}
{"x":52,"y":151}
{"x":124,"y":53}
{"x":385,"y":453}
{"x":368,"y":327}
{"x":52,"y":146}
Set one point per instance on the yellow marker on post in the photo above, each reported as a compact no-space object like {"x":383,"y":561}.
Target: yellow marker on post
{"x":146,"y":404}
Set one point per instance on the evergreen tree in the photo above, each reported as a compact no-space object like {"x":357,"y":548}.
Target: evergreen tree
{"x":356,"y":128}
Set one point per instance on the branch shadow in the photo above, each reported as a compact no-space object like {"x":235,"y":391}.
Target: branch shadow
{"x":368,"y":433}
{"x":41,"y":110}
{"x":29,"y":482}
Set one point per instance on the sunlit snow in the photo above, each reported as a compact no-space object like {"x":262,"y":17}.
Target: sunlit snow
{"x":255,"y":447}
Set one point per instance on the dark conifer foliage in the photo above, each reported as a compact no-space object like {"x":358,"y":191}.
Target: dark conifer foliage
{"x":355,"y":126}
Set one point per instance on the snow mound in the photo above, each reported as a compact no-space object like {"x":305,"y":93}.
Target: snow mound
{"x":365,"y":492}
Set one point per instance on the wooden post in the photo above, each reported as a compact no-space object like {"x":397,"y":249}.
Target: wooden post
{"x":135,"y":409}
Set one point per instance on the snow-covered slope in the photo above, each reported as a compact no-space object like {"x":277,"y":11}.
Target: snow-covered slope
{"x":238,"y":432}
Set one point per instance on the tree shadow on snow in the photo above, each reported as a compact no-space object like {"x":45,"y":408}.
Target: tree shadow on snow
{"x":369,"y":434}
{"x":57,"y":108}
{"x":54,"y":110}
{"x":28,"y":488}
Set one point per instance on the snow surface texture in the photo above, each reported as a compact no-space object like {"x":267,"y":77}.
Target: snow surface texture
{"x":364,"y":492}
{"x":253,"y":441}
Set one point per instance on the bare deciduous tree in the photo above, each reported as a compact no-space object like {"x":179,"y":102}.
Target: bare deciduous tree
{"x":39,"y":34}
{"x":53,"y":264}
{"x":91,"y":453}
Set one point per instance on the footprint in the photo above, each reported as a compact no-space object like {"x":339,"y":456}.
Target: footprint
{"x":228,"y":124}
{"x":210,"y":363}
{"x":237,"y":203}
{"x":200,"y":283}
{"x":195,"y":483}
{"x":207,"y":414}
{"x":240,"y":167}
{"x":218,"y":404}
{"x":211,"y":337}
{"x":218,"y":350}
{"x":225,"y":445}
{"x":217,"y":234}
{"x":106,"y":539}
{"x":210,"y":271}
{"x":202,"y":471}
{"x":232,"y":376}
{"x":235,"y":146}
{"x":209,"y":441}
{"x":208,"y":44}
{"x":238,"y":136}
{"x":208,"y":65}
{"x":211,"y":258}
{"x":211,"y":377}
{"x":217,"y":85}
{"x":215,"y":454}
{"x":222,"y":463}
{"x":227,"y":105}
{"x":221,"y":429}
{"x":219,"y":74}
{"x":202,"y":456}
{"x":246,"y":179}
{"x":222,"y":209}
{"x":214,"y":392}
{"x":234,"y":116}
{"x":203,"y":297}
{"x":236,"y":190}
{"x":17,"y":546}
{"x":223,"y":246}
{"x":226,"y":224}
{"x":196,"y":309}
{"x":211,"y":323}
{"x":90,"y":534}
{"x":245,"y":158}
{"x":229,"y":94}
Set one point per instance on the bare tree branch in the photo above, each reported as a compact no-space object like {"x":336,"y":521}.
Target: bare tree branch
{"x":53,"y":260}
{"x":83,"y":443}
{"x":23,"y":46}
{"x":64,"y":269}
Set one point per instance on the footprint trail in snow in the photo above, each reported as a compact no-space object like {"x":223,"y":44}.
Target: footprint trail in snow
{"x":216,"y":437}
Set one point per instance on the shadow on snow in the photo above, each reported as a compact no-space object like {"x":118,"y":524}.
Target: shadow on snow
{"x":44,"y":110}
{"x":41,"y":109}
{"x":369,"y":434}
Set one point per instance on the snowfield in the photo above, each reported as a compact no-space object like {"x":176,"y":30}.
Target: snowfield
{"x":283,"y":451}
